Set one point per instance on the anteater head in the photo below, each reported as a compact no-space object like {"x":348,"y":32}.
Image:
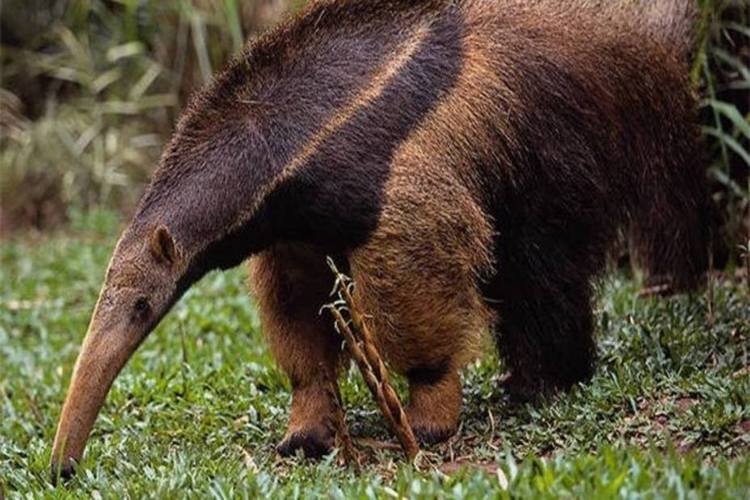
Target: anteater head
{"x":141,"y":285}
{"x":197,"y":215}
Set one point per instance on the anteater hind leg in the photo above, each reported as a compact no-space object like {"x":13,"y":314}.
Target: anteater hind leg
{"x":670,"y":236}
{"x":545,"y":320}
{"x":291,"y":283}
{"x":547,"y":339}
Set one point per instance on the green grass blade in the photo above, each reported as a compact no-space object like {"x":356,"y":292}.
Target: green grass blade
{"x":730,"y":142}
{"x":730,"y":112}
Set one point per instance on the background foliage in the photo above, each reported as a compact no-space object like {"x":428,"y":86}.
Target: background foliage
{"x":722,"y":75}
{"x":90,"y":90}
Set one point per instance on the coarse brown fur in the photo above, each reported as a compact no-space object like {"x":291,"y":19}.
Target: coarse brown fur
{"x":469,"y":162}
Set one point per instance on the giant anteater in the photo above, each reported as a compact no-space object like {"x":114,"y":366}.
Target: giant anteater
{"x":468,"y":161}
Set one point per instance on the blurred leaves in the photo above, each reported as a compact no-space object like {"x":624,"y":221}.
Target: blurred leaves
{"x":91,"y":89}
{"x":723,"y":65}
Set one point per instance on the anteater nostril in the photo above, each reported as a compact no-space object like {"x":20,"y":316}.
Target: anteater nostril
{"x":141,"y":305}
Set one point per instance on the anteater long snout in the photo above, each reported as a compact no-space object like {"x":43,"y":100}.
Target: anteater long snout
{"x":102,"y":356}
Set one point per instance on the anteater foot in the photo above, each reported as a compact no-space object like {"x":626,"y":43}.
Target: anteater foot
{"x":434,"y":404}
{"x":429,"y":433}
{"x":61,"y":473}
{"x":315,"y":442}
{"x":657,"y":286}
{"x":520,"y":390}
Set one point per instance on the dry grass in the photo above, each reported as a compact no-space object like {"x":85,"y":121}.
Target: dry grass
{"x":361,"y":346}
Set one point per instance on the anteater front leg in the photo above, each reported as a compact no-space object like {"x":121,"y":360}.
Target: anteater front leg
{"x":417,"y":279}
{"x":291,"y":283}
{"x":434,"y":402}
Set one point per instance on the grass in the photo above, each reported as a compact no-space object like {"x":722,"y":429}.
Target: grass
{"x":198,"y":410}
{"x":90,"y":91}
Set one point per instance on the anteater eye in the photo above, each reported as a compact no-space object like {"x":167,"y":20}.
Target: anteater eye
{"x":141,"y":305}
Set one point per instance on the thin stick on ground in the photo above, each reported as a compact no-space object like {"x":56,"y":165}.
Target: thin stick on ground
{"x":343,"y":438}
{"x":361,"y":346}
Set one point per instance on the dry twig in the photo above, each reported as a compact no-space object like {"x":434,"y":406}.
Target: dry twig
{"x":361,"y":346}
{"x":344,"y":440}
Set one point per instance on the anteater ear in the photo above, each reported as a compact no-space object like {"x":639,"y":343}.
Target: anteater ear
{"x":162,"y":246}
